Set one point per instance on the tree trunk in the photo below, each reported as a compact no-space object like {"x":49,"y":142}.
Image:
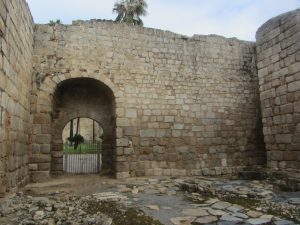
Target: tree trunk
{"x":71,"y":128}
{"x":77,"y":130}
{"x":77,"y":126}
{"x":93,"y":131}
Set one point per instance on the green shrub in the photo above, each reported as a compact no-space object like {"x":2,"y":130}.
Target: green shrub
{"x":76,"y":139}
{"x":53,"y":23}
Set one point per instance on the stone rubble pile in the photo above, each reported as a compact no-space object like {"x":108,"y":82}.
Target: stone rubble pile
{"x":28,"y":210}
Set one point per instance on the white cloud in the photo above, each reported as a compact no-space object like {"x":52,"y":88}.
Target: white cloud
{"x":230,"y":18}
{"x":68,"y":10}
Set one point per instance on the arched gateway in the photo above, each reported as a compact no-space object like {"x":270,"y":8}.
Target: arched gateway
{"x":60,"y":101}
{"x":82,"y":98}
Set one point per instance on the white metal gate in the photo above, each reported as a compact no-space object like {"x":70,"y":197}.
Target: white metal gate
{"x":86,"y":158}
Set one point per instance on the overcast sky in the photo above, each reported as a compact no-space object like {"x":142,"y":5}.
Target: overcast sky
{"x":229,"y":18}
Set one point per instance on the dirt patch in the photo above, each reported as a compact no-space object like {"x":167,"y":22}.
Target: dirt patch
{"x":80,"y":185}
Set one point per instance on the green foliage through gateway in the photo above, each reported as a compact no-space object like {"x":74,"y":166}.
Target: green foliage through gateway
{"x":76,"y":139}
{"x":81,"y":149}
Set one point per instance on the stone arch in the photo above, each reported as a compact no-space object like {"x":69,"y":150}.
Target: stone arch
{"x":46,"y":147}
{"x":84,"y":98}
{"x":49,"y":82}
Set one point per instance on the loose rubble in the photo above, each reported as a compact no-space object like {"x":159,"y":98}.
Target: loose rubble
{"x":98,"y":209}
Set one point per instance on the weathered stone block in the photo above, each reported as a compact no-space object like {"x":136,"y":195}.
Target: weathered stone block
{"x":39,"y":176}
{"x":287,"y":108}
{"x":178,"y":126}
{"x":120,"y":151}
{"x":131,"y":113}
{"x":45,"y":148}
{"x":35,"y":149}
{"x":3,"y":185}
{"x":56,"y":165}
{"x":128,"y":151}
{"x":294,"y":86}
{"x":33,"y":167}
{"x":122,"y":167}
{"x":123,"y":122}
{"x":294,"y":68}
{"x":147,"y":133}
{"x":169,"y":119}
{"x":267,"y":94}
{"x":281,"y":90}
{"x":158,"y":149}
{"x":290,"y":156}
{"x":41,"y":118}
{"x":43,"y":139}
{"x":276,"y":155}
{"x":45,"y":128}
{"x":161,"y":133}
{"x":283,"y":138}
{"x":37,"y":129}
{"x":57,"y":154}
{"x":121,"y":159}
{"x":198,"y":128}
{"x":131,"y":131}
{"x":122,"y":142}
{"x":44,"y":166}
{"x":122,"y":175}
{"x":40,"y":158}
{"x":297,"y":106}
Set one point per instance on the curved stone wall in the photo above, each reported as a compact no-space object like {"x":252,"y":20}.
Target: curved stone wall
{"x":183,"y":105}
{"x":278,"y":56}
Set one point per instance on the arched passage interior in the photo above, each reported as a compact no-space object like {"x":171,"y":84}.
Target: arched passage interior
{"x":83,"y":98}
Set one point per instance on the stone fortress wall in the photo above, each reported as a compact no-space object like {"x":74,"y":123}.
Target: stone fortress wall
{"x":183,"y":105}
{"x":16,"y":44}
{"x":278,"y":62}
{"x":178,"y":105}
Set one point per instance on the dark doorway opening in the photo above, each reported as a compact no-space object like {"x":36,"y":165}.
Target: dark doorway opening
{"x":83,"y":99}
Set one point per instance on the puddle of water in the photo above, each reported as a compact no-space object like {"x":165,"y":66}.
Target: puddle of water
{"x":169,"y":206}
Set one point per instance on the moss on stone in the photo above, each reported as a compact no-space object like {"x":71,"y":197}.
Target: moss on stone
{"x":130,"y":216}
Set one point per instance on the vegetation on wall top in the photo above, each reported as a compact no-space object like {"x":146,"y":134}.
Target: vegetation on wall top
{"x":130,"y":11}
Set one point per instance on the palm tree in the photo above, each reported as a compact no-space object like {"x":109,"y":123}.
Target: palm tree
{"x":129,"y":11}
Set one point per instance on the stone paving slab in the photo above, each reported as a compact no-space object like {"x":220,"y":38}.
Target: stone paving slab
{"x":214,"y":210}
